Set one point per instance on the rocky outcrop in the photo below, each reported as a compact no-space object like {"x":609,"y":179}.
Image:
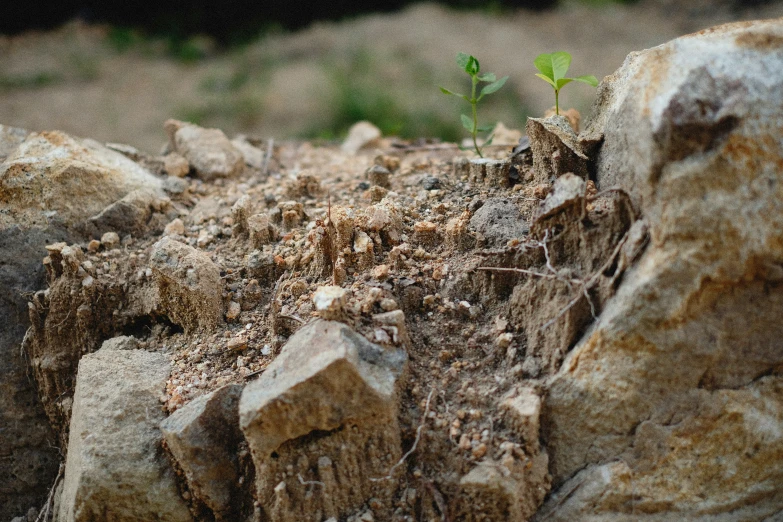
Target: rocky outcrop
{"x":116,"y":469}
{"x":204,"y":439}
{"x":682,"y":370}
{"x":556,"y":149}
{"x":189,"y":284}
{"x":322,"y":425}
{"x":50,"y":185}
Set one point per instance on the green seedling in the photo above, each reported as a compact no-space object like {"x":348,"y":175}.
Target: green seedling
{"x":471,"y":66}
{"x":553,"y":69}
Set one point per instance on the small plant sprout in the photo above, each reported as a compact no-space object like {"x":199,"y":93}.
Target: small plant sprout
{"x":471,"y":66}
{"x":553,"y":69}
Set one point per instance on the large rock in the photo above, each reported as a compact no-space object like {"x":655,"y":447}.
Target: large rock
{"x":116,"y":469}
{"x":204,"y":436}
{"x":189,"y":285}
{"x":675,"y":399}
{"x":322,"y":425}
{"x":50,"y":185}
{"x":208,"y":151}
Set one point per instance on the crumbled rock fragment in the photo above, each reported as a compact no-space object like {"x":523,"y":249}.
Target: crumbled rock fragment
{"x":426,"y":233}
{"x":499,"y":220}
{"x":254,"y":157}
{"x":208,"y":151}
{"x":568,"y":190}
{"x":175,"y":228}
{"x":176,"y":165}
{"x":572,"y":115}
{"x":324,"y":411}
{"x":360,"y":135}
{"x":233,"y":311}
{"x":330,"y":302}
{"x":556,"y":149}
{"x":523,"y":413}
{"x":378,"y":175}
{"x":110,"y":240}
{"x":261,"y":231}
{"x":203,"y":436}
{"x":305,"y":185}
{"x":115,"y":469}
{"x":490,"y":172}
{"x":189,"y":284}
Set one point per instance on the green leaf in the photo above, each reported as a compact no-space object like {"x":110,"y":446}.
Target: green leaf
{"x":589,"y":79}
{"x":462,"y":60}
{"x":547,"y":80}
{"x":450,"y":93}
{"x":554,"y":65}
{"x":472,"y":67}
{"x":485,"y":128}
{"x":562,"y":82}
{"x":489,"y":77}
{"x":489,"y":141}
{"x":467,"y":122}
{"x":492,"y":87}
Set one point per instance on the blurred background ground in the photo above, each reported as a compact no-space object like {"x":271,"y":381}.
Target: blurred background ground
{"x":117,"y":79}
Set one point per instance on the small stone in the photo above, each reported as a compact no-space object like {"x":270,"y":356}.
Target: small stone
{"x":464,"y":442}
{"x":360,"y":135}
{"x":378,"y":175}
{"x":176,"y":165}
{"x":479,"y":451}
{"x":430,"y":183}
{"x":175,"y":228}
{"x":234,"y":309}
{"x":110,"y":240}
{"x":504,"y":340}
{"x":93,"y":246}
{"x":380,"y":272}
{"x":329,"y":302}
{"x":389,"y":304}
{"x":237,"y":344}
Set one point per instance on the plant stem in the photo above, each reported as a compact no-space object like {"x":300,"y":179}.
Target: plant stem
{"x":473,"y":103}
{"x":557,"y":102}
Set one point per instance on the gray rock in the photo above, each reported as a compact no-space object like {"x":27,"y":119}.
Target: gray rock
{"x":331,"y":397}
{"x":254,"y":157}
{"x":189,"y":285}
{"x":556,"y":149}
{"x":361,"y":134}
{"x":681,"y":372}
{"x":115,"y":468}
{"x":203,"y":436}
{"x":379,"y":175}
{"x":499,"y":220}
{"x":50,"y":184}
{"x":208,"y":151}
{"x":567,"y":191}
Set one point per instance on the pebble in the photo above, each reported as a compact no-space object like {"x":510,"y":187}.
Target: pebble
{"x":234,"y":309}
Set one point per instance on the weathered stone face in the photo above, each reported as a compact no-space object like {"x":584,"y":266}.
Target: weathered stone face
{"x":116,"y":469}
{"x":326,"y":408}
{"x":681,"y":372}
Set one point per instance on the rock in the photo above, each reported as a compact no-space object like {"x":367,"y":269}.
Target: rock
{"x":189,"y":285}
{"x":50,"y":184}
{"x":175,"y":165}
{"x":254,"y":157}
{"x":512,"y":490}
{"x":110,"y":240}
{"x":360,"y":135}
{"x":490,"y":172}
{"x":324,"y":411}
{"x":261,"y":231}
{"x":568,"y":190}
{"x":523,"y":414}
{"x":204,"y":436}
{"x":378,"y":175}
{"x":556,"y":149}
{"x":66,"y":178}
{"x":115,"y":468}
{"x":499,"y":220}
{"x":208,"y":151}
{"x":330,"y":302}
{"x":175,"y":228}
{"x":129,"y":215}
{"x":681,"y":372}
{"x":10,"y":139}
{"x":572,"y":115}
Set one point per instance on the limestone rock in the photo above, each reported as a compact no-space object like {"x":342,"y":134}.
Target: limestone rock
{"x":69,"y":179}
{"x":10,"y":138}
{"x":523,"y":413}
{"x":208,"y":151}
{"x":568,"y":190}
{"x":324,"y":411}
{"x":498,"y":220}
{"x":254,"y":157}
{"x":682,"y":368}
{"x":189,"y":284}
{"x":556,"y":149}
{"x":115,"y":468}
{"x":360,"y":135}
{"x":203,"y":436}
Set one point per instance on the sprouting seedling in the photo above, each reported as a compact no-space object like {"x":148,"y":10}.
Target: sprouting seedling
{"x":471,"y":66}
{"x":553,"y":69}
